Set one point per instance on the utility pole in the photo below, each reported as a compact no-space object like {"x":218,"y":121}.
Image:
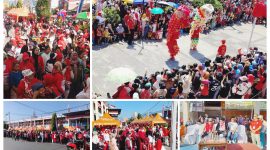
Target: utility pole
{"x":173,"y":125}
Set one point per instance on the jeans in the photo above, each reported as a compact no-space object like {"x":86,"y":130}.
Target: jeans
{"x":262,"y":139}
{"x":234,"y":137}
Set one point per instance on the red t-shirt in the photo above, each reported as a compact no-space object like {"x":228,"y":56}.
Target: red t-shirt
{"x":130,"y":24}
{"x":9,"y":62}
{"x":205,"y":88}
{"x":196,"y":34}
{"x":145,"y":94}
{"x":222,"y":50}
{"x":208,"y":127}
{"x":260,"y":84}
{"x":255,"y":125}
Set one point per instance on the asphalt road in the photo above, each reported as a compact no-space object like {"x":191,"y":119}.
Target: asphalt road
{"x":155,"y":54}
{"x":10,"y":144}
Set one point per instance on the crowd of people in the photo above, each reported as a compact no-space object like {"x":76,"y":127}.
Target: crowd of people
{"x":240,"y":129}
{"x":46,"y":58}
{"x":132,"y":137}
{"x":45,"y":136}
{"x":136,"y":21}
{"x":238,"y":77}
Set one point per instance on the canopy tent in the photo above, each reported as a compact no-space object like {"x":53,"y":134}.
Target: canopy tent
{"x":106,"y":120}
{"x":19,"y":12}
{"x":150,"y":120}
{"x":159,"y":120}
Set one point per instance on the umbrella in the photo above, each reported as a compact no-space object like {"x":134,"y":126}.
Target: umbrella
{"x":138,"y":2}
{"x":157,"y":11}
{"x":128,"y":1}
{"x":121,"y":75}
{"x":82,"y":15}
{"x":173,"y":4}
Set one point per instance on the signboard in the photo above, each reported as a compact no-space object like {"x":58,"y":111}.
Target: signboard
{"x":196,"y":106}
{"x":243,"y":105}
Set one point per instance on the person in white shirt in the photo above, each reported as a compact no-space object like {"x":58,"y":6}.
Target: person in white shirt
{"x":120,"y":32}
{"x":232,"y":134}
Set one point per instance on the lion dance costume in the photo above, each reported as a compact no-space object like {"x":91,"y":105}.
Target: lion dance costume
{"x":202,"y":15}
{"x":179,"y":20}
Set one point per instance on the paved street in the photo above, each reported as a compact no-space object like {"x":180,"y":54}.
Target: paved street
{"x":10,"y":144}
{"x":155,"y":55}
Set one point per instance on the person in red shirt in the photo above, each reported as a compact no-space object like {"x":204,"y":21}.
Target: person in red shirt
{"x":222,"y":49}
{"x":130,"y":25}
{"x":9,"y":61}
{"x":195,"y":39}
{"x":25,"y":85}
{"x":208,"y":127}
{"x":123,"y":91}
{"x":166,"y":136}
{"x":255,"y":127}
{"x":158,"y":143}
{"x":259,"y":87}
{"x":146,"y":93}
{"x":205,"y":85}
{"x":59,"y":78}
{"x":26,"y":63}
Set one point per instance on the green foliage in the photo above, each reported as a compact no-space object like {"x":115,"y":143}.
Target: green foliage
{"x":53,"y":122}
{"x":130,"y":120}
{"x":112,"y":15}
{"x":139,"y":116}
{"x":216,"y":3}
{"x":43,"y":9}
{"x":19,"y":4}
{"x":6,"y":126}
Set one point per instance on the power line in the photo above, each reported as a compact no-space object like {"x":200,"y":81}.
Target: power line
{"x":29,"y":106}
{"x":61,"y":110}
{"x":152,"y":107}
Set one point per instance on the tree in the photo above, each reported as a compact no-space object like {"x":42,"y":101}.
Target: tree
{"x":216,"y":3}
{"x":130,"y":120}
{"x":43,"y":9}
{"x":6,"y":126}
{"x":53,"y":122}
{"x":19,"y":4}
{"x":112,"y":15}
{"x":139,"y":116}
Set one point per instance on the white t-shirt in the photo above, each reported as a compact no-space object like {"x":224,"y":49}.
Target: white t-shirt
{"x":233,"y":126}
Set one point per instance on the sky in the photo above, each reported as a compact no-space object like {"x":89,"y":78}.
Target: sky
{"x":128,"y":108}
{"x":24,"y":109}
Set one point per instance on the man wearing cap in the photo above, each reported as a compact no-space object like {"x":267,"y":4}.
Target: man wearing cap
{"x":26,"y":63}
{"x":255,"y":127}
{"x":25,"y":85}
